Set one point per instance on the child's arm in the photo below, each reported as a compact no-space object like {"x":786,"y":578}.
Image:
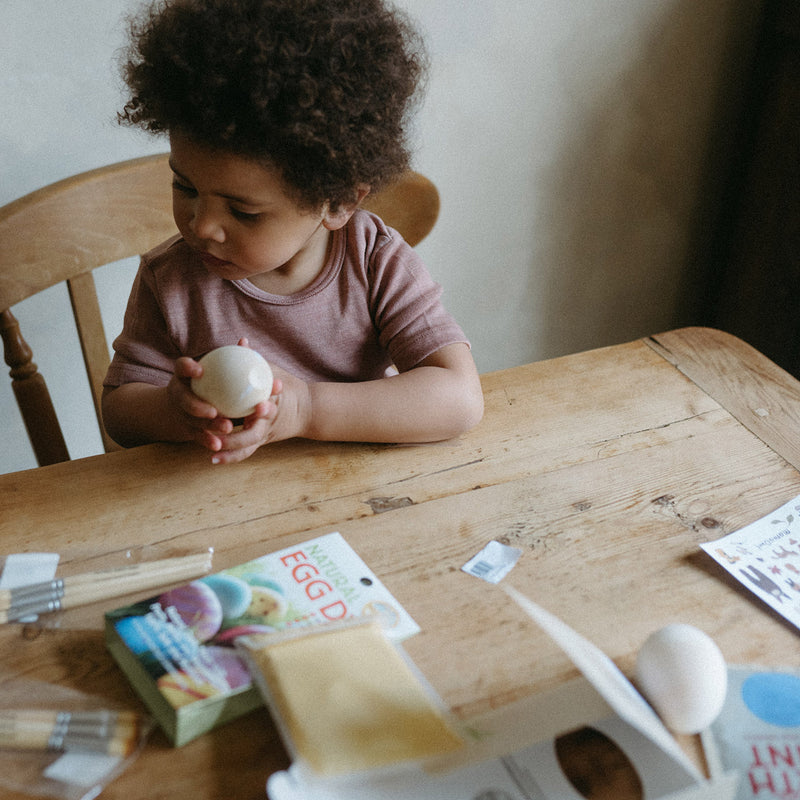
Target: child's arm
{"x":438,"y":399}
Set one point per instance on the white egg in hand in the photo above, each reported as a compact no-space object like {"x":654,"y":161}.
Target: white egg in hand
{"x":234,"y":380}
{"x":683,"y":675}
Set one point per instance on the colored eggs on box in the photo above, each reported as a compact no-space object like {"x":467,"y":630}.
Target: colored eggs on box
{"x":222,"y":663}
{"x":229,"y":635}
{"x":198,"y":606}
{"x":233,"y":594}
{"x":266,"y":603}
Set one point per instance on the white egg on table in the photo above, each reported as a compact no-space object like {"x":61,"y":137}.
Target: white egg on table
{"x":682,"y":673}
{"x":234,"y":380}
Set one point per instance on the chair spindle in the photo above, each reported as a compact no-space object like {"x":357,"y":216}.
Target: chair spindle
{"x":32,"y":395}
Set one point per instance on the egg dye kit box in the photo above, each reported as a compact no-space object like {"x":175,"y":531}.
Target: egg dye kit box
{"x":177,"y":648}
{"x":592,"y":736}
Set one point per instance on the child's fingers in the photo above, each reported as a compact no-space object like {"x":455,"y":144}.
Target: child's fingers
{"x":234,"y":448}
{"x":218,"y":425}
{"x":263,"y":410}
{"x":186,"y":367}
{"x":208,"y":440}
{"x":243,"y":441}
{"x":188,"y":403}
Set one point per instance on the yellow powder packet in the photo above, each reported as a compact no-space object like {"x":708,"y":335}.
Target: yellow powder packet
{"x":348,"y":700}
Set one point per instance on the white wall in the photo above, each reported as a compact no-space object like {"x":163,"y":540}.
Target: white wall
{"x":569,"y":140}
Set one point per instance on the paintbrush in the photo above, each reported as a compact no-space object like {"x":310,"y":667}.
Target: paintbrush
{"x":114,"y":733}
{"x":91,"y":587}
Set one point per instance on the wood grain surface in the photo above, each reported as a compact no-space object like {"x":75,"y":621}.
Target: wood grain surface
{"x":607,"y":468}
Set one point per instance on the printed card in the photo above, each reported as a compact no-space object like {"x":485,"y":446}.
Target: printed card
{"x":758,"y":732}
{"x":765,"y":557}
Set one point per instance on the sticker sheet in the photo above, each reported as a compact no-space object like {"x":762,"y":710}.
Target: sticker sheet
{"x":765,"y":557}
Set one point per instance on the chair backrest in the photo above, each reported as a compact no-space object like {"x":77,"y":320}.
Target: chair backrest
{"x":64,"y":231}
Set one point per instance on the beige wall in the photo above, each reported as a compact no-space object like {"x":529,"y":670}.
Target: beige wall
{"x":571,"y":141}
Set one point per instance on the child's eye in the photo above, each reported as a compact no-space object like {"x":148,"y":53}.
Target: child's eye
{"x":244,"y":216}
{"x":183,"y":188}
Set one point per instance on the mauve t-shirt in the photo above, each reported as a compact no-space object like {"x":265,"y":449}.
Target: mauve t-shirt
{"x":373,"y":305}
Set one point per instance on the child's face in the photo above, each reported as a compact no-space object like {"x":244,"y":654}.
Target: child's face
{"x":237,"y":215}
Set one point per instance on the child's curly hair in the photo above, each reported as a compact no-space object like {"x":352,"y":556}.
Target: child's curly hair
{"x":319,"y":89}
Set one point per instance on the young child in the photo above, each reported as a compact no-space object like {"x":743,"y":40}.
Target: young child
{"x":282,"y":115}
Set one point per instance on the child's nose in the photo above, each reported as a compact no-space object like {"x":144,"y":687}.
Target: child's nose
{"x":205,"y":223}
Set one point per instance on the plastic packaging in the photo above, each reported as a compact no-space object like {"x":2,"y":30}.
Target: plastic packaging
{"x":73,"y":773}
{"x":348,"y":701}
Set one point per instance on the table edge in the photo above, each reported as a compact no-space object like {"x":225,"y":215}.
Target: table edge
{"x":769,"y":406}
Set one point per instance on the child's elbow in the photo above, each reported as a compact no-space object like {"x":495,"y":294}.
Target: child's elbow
{"x":112,"y":422}
{"x":117,"y":418}
{"x":470,"y":410}
{"x":474,"y":411}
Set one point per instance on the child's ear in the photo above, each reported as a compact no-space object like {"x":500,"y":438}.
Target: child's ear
{"x":333,"y":220}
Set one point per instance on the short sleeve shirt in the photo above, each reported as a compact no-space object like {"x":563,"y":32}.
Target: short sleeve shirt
{"x":374,"y":304}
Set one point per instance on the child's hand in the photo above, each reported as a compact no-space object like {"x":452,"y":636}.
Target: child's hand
{"x":270,"y":422}
{"x":138,"y":413}
{"x":205,"y":425}
{"x":258,"y":427}
{"x":200,"y":421}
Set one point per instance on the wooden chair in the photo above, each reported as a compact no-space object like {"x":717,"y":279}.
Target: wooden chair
{"x":62,"y":232}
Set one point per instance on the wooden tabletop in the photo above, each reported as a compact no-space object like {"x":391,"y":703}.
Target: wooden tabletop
{"x":608,"y":468}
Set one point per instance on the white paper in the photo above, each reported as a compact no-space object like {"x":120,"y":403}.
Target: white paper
{"x":24,"y":569}
{"x":466,"y":785}
{"x":82,"y":769}
{"x":608,"y":680}
{"x":493,"y":563}
{"x":765,"y":557}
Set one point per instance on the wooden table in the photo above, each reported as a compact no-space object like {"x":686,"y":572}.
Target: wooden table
{"x":608,"y":468}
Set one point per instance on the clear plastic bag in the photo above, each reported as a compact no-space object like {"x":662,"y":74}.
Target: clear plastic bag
{"x":71,"y":774}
